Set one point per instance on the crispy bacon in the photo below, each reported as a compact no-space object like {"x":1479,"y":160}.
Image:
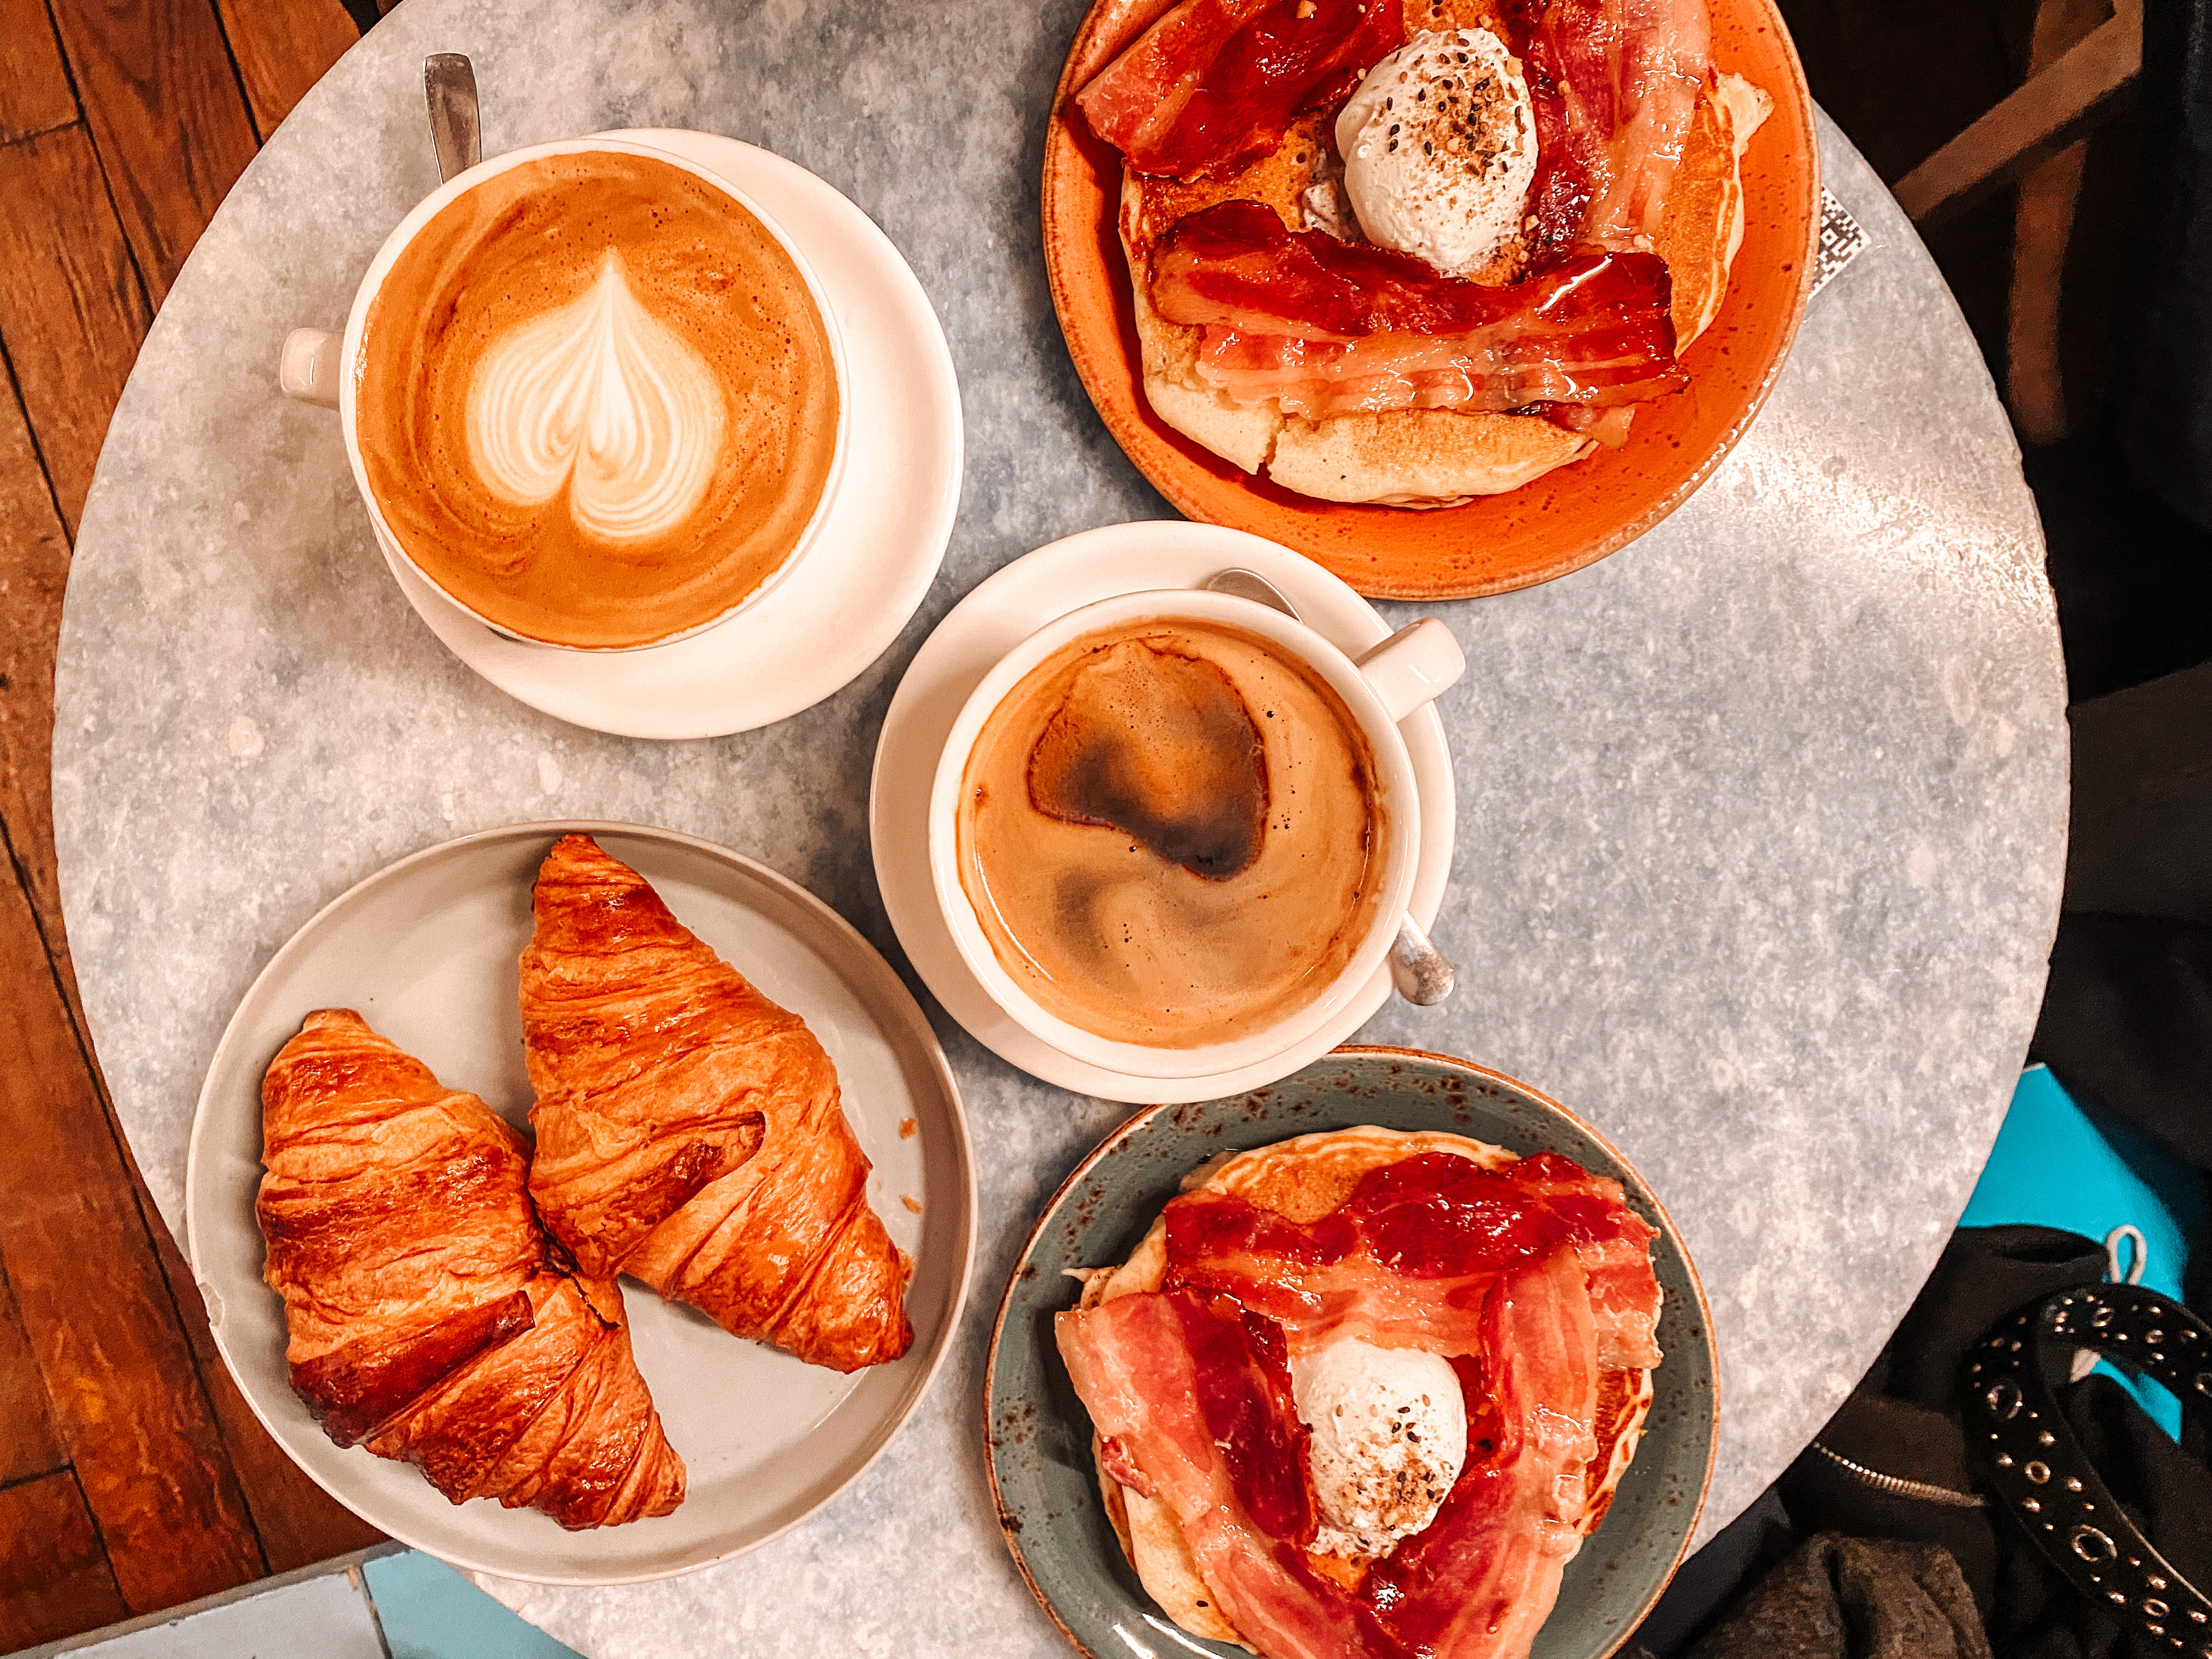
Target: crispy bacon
{"x":1114,"y":1458}
{"x":1327,"y":326}
{"x":1237,"y":265}
{"x":1614,"y":84}
{"x":1150,"y":1387}
{"x":1408,"y":1259}
{"x":1318,"y":379}
{"x":1244,"y":1393}
{"x":1476,"y":1583}
{"x":1626,"y":1301}
{"x":1211,"y":88}
{"x":1570,"y":141}
{"x":1323,"y":327}
{"x":1481,"y":1578}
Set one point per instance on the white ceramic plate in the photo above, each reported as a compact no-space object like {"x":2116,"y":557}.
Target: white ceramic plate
{"x":999,"y":613}
{"x":873,"y":558}
{"x":426,"y":951}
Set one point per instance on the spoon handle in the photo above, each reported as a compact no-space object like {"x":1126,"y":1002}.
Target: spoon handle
{"x":449,"y":81}
{"x":1423,"y":973}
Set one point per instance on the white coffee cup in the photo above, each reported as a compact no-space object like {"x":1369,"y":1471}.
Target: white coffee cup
{"x":1381,"y":687}
{"x":318,"y":366}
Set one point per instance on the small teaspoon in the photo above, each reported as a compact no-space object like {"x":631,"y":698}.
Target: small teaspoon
{"x":1423,"y":973}
{"x":449,"y":82}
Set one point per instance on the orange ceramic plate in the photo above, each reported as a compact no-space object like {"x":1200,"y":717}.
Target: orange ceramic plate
{"x":1563,"y":521}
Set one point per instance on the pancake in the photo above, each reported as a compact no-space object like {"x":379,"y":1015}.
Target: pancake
{"x":1419,"y":458}
{"x":1703,"y":225}
{"x":1303,"y":1180}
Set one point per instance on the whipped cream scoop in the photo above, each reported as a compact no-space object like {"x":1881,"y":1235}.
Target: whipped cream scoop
{"x":1389,"y":1438}
{"x":1439,"y":148}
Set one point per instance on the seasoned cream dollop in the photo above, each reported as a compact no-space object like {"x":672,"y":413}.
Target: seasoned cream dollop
{"x":1439,"y":148}
{"x":1389,"y":1439}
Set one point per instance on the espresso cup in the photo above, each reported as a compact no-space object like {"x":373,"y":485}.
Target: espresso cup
{"x":1381,"y":687}
{"x":322,"y":368}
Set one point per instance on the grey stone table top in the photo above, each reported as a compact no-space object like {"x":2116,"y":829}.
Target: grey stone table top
{"x":1761,"y":819}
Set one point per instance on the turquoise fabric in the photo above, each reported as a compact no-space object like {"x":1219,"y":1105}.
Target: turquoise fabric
{"x":2058,"y":1163}
{"x":431,"y":1612}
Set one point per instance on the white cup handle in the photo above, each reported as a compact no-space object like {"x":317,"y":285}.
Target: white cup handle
{"x":308,"y":369}
{"x":1413,"y":667}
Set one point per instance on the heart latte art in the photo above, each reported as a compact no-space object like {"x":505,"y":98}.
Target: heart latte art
{"x":601,"y":400}
{"x":597,"y":403}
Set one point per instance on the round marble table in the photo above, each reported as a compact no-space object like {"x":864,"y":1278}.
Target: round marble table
{"x":1762,"y":818}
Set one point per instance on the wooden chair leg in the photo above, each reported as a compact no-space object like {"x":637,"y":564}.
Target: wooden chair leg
{"x":2043,"y":223}
{"x":2034,"y":124}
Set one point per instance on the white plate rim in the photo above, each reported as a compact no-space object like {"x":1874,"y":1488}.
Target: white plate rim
{"x":871,"y":960}
{"x":864,"y":270}
{"x":1197,"y":550}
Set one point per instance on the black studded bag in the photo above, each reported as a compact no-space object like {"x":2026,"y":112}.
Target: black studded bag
{"x":1898,"y":1462}
{"x":2025,"y":1449}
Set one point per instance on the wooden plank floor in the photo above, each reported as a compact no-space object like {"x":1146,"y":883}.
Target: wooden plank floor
{"x":132,"y":1476}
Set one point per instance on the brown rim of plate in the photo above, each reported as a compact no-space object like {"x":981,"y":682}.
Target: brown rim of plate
{"x":1010,"y":1531}
{"x":1689,"y":1268}
{"x":1560,"y":523}
{"x":1009,"y":1528}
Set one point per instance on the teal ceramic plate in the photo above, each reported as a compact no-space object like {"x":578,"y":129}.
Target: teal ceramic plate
{"x":1039,"y":1437}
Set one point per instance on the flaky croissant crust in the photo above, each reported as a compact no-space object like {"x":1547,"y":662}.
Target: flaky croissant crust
{"x":689,"y":1131}
{"x":430,"y":1318}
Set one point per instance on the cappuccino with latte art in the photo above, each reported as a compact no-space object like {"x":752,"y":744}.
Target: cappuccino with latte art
{"x":597,"y":403}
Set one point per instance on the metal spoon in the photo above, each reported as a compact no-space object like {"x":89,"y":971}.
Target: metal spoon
{"x":449,"y":81}
{"x":1422,"y":973}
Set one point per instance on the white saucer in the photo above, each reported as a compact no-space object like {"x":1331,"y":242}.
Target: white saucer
{"x":1012,"y":606}
{"x":877,"y":552}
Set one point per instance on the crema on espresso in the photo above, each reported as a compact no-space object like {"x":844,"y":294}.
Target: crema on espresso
{"x":596,"y":402}
{"x":1171,"y":833}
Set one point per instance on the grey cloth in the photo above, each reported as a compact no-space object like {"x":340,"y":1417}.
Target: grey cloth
{"x":1854,"y":1598}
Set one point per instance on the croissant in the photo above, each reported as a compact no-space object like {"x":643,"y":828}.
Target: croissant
{"x":431,"y":1319}
{"x":689,"y":1130}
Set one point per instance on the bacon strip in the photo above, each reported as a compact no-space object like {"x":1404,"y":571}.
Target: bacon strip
{"x":1211,"y":88}
{"x":1408,"y":1259}
{"x":1481,"y":1578}
{"x":1326,"y":326}
{"x":1237,"y":264}
{"x":1614,"y":84}
{"x":1318,"y":379}
{"x":1135,"y":1367}
{"x":1626,"y":1301}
